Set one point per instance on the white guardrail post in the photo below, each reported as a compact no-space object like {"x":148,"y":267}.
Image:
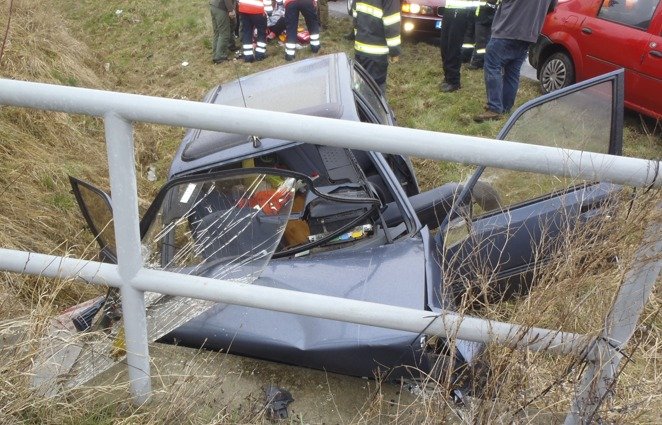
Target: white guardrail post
{"x":601,"y":373}
{"x":121,"y":166}
{"x":119,"y":110}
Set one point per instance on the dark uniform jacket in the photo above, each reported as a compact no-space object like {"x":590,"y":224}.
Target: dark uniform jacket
{"x":377,"y":27}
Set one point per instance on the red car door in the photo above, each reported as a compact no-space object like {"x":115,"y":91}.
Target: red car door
{"x":620,"y":36}
{"x":648,"y":87}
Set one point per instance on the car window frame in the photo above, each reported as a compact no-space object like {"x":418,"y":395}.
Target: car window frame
{"x":388,"y":113}
{"x":617,"y":115}
{"x":625,"y":24}
{"x":107,"y":252}
{"x":615,"y":142}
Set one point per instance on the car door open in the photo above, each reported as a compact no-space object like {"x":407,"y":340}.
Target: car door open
{"x":503,"y":242}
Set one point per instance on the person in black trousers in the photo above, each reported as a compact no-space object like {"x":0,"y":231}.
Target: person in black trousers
{"x":457,"y":15}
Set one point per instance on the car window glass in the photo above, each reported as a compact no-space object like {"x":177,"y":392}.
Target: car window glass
{"x":579,"y":120}
{"x":226,"y":227}
{"x":229,"y":226}
{"x":635,"y":13}
{"x":99,"y":215}
{"x":368,"y":95}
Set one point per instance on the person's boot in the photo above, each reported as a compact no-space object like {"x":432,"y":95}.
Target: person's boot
{"x":488,"y":115}
{"x":449,"y":88}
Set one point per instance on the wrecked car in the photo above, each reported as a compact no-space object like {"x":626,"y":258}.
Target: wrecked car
{"x":342,"y":222}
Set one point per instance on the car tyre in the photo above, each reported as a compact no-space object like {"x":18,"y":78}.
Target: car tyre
{"x":557,"y":72}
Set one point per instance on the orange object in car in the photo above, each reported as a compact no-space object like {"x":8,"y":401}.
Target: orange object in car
{"x":269,"y":201}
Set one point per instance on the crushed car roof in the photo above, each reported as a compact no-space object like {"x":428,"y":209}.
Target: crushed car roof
{"x":319,"y":86}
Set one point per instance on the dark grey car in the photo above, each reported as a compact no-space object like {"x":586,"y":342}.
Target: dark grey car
{"x":350,"y":223}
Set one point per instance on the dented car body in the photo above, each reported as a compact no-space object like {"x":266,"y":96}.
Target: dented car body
{"x":345,"y":223}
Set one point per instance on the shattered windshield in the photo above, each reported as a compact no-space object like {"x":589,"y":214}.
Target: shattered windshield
{"x":229,"y":227}
{"x":226,"y":227}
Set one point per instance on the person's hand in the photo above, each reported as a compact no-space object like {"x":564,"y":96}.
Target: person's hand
{"x":393,"y":59}
{"x":231,"y":14}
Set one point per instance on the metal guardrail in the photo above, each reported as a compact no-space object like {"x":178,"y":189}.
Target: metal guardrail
{"x":120,"y":110}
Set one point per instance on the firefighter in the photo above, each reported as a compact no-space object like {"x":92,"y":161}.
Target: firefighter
{"x":254,"y":20}
{"x":482,"y":31}
{"x":309,"y":11}
{"x":457,"y":15}
{"x":377,"y":36}
{"x":468,"y":42}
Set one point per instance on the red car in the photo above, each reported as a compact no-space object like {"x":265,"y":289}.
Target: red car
{"x":585,"y":38}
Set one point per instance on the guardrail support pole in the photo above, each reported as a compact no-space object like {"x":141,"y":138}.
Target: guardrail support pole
{"x":121,"y":166}
{"x":601,"y":374}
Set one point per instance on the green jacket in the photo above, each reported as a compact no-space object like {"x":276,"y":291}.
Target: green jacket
{"x":227,"y":5}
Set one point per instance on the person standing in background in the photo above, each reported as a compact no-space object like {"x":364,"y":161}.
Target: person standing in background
{"x":222,"y":14}
{"x":309,"y":12}
{"x":377,"y":40}
{"x":516,"y":25}
{"x":254,"y":20}
{"x":482,"y":33}
{"x":457,"y":16}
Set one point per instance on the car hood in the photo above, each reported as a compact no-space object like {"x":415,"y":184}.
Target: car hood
{"x":390,"y":274}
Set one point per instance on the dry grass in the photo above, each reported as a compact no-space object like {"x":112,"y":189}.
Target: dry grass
{"x":574,"y":293}
{"x":141,"y":51}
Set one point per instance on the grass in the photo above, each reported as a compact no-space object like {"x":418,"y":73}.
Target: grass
{"x":141,"y":50}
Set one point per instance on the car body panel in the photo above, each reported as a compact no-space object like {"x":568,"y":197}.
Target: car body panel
{"x":508,"y":246}
{"x":391,"y":274}
{"x":598,"y":44}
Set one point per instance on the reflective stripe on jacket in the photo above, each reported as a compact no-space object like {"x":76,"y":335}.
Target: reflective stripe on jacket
{"x":255,"y":7}
{"x":463,"y":4}
{"x":377,"y":27}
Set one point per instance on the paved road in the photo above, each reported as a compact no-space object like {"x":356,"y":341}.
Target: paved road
{"x":338,"y":9}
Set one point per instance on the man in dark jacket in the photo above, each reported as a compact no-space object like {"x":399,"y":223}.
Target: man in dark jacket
{"x":377,"y":38}
{"x":222,"y":14}
{"x":517,"y":24}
